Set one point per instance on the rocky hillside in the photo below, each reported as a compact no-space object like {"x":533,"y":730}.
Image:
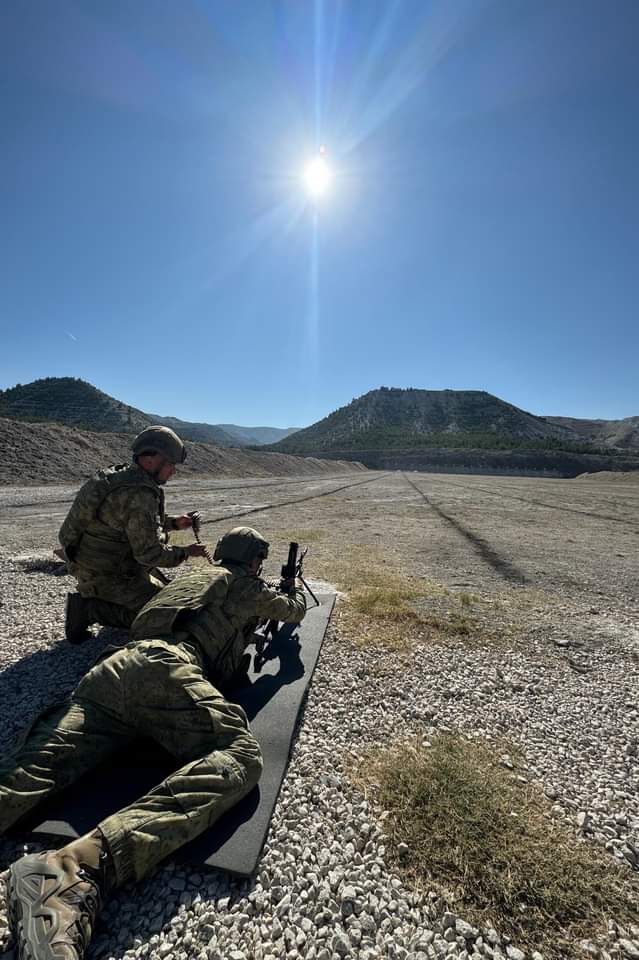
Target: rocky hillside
{"x":80,"y":404}
{"x":622,"y":434}
{"x":452,"y":430}
{"x":32,"y":453}
{"x":390,"y":418}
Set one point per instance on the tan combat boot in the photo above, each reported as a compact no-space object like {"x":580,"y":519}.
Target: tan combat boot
{"x":55,"y":896}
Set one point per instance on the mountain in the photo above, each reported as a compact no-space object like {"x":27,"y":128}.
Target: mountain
{"x":256,"y":436}
{"x":392,"y":418}
{"x":74,"y":402}
{"x":621,"y":434}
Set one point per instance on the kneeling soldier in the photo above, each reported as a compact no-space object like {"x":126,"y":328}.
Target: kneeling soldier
{"x":116,"y":532}
{"x":186,"y":642}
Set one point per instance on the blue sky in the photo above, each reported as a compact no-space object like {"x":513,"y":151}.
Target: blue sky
{"x":481,"y":229}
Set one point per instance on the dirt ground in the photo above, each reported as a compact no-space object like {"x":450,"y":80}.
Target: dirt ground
{"x":523,"y":614}
{"x":556,"y":556}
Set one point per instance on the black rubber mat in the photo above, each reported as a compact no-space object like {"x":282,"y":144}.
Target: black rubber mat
{"x":272,"y":702}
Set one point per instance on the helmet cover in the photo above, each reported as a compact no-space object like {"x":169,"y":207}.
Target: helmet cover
{"x":161,"y":440}
{"x":242,"y":545}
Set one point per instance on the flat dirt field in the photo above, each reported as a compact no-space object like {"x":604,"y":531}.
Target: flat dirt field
{"x":494,"y":607}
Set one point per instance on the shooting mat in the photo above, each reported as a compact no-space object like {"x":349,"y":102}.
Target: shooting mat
{"x":272,"y":702}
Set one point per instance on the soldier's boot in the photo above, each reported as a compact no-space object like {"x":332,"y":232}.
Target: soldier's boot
{"x":54,"y":898}
{"x":77,"y":619}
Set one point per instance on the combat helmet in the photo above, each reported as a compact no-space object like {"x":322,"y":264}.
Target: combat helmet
{"x":160,"y":440}
{"x":241,"y":545}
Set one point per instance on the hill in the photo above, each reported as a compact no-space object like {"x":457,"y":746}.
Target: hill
{"x":454,"y":430}
{"x":77,"y":403}
{"x":392,"y":418}
{"x":621,"y":434}
{"x":32,"y":453}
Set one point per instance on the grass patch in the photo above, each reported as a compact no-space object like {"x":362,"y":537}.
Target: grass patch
{"x":385,"y":601}
{"x":384,"y":605}
{"x":467,"y":599}
{"x":302,"y":536}
{"x":378,"y":605}
{"x":489,"y":845}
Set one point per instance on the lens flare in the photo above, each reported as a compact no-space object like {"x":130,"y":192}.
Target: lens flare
{"x":317,"y":176}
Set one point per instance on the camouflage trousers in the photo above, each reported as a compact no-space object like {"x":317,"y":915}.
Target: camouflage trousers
{"x":112,"y":602}
{"x":156,"y":689}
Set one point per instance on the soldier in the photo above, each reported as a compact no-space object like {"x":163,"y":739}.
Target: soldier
{"x":191,"y":635}
{"x":116,"y":532}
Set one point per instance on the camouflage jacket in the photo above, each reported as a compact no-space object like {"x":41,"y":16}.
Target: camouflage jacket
{"x":117,"y":525}
{"x":217,"y":608}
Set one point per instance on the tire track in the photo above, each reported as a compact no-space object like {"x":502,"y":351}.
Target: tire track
{"x":540,"y":503}
{"x":501,"y":566}
{"x":288,"y":503}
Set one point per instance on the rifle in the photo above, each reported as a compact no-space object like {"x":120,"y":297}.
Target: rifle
{"x":293,"y":569}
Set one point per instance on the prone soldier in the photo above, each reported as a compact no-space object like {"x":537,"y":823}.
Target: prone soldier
{"x":186,"y":643}
{"x":116,"y":533}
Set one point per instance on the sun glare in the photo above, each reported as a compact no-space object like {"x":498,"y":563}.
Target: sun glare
{"x":317,"y":176}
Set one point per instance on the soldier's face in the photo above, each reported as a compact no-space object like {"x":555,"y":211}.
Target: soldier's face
{"x":255,"y":566}
{"x":159,"y":468}
{"x":165,"y":472}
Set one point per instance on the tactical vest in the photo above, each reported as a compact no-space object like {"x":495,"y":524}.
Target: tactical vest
{"x":201,"y":604}
{"x":92,"y":544}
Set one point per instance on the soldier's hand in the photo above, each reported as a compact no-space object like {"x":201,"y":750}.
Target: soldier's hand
{"x":287,"y":586}
{"x":183,"y":522}
{"x":196,"y":550}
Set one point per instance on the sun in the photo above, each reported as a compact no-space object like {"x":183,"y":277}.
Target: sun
{"x":317,"y":175}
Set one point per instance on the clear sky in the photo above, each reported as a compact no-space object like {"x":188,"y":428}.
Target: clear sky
{"x":480,"y":229}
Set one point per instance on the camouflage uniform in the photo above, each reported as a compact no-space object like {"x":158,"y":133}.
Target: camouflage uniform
{"x":190,"y":635}
{"x":115,"y":533}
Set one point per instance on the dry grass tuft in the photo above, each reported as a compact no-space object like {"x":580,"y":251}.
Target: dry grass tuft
{"x":302,"y":536}
{"x":382,"y":605}
{"x":490,"y":846}
{"x":378,"y":602}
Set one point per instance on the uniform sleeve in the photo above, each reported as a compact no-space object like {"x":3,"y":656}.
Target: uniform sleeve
{"x":289,"y":608}
{"x":144,"y":532}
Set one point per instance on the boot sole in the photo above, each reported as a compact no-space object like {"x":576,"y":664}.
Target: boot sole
{"x":31,"y":921}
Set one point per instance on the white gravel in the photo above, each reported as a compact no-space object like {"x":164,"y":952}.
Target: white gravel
{"x":324,"y":889}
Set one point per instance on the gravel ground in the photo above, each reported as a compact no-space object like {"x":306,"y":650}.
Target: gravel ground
{"x":549,"y":566}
